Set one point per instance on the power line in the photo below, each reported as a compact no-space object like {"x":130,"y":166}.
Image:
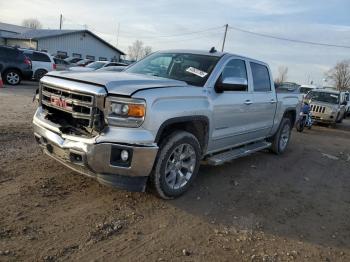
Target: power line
{"x":288,"y":39}
{"x":180,"y":34}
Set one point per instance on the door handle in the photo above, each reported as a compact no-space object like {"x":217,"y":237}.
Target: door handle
{"x":272,"y":101}
{"x":248,"y":102}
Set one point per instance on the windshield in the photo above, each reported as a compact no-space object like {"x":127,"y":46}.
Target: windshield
{"x":305,"y":90}
{"x":323,"y":97}
{"x":96,"y":65}
{"x":191,"y":68}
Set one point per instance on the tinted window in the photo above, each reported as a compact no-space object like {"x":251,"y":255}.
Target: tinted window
{"x":40,"y":57}
{"x":9,"y":52}
{"x":261,"y":77}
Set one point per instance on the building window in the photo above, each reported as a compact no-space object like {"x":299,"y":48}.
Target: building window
{"x":102,"y":59}
{"x":61,"y":54}
{"x":91,"y":57}
{"x":76,"y":55}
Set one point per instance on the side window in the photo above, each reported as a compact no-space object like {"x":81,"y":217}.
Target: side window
{"x":76,"y":55}
{"x":261,"y":77}
{"x":235,"y":68}
{"x":41,"y":57}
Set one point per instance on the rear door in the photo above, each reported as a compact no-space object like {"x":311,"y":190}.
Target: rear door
{"x":263,"y":98}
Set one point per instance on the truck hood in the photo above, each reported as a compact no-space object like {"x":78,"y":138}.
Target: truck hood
{"x":119,"y":83}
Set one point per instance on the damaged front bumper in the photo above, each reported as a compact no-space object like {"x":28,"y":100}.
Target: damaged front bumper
{"x":100,"y":157}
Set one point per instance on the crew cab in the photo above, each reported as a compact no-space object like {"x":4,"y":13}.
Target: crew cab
{"x":155,"y":123}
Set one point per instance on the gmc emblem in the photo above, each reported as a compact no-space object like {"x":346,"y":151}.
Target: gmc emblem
{"x":58,"y":101}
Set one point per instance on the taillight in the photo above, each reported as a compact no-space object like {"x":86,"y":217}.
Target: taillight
{"x":54,"y":66}
{"x":27,"y":61}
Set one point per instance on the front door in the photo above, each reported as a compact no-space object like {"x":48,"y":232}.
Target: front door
{"x":232,"y":110}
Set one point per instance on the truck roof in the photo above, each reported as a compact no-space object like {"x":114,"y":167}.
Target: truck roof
{"x":208,"y":53}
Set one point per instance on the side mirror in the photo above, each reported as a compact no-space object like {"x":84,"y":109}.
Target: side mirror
{"x":231,"y":84}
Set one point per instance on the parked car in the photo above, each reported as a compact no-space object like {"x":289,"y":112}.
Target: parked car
{"x":112,"y":68}
{"x":304,"y":89}
{"x":327,"y":106}
{"x":14,"y":65}
{"x":96,"y":65}
{"x":161,"y":117}
{"x":72,"y":60}
{"x":84,"y":62}
{"x":42,"y":62}
{"x":61,"y":64}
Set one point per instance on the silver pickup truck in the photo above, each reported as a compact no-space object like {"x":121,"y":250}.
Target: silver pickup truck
{"x":155,"y":123}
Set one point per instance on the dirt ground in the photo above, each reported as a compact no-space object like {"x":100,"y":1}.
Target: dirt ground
{"x":294,"y":207}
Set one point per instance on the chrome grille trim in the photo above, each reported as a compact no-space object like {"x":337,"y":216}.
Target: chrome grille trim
{"x":80,"y":104}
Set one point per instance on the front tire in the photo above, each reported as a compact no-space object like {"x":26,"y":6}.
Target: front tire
{"x":281,"y":139}
{"x":12,"y":77}
{"x":176,"y":165}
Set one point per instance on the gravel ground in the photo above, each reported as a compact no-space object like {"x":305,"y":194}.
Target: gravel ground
{"x":294,"y":207}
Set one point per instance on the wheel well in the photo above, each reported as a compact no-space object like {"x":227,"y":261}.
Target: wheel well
{"x":13,"y":68}
{"x":198,"y":126}
{"x":291,"y":114}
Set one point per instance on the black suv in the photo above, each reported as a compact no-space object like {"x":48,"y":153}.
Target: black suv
{"x":14,"y":65}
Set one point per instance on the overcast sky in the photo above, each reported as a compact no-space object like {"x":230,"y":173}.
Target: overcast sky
{"x":153,"y":21}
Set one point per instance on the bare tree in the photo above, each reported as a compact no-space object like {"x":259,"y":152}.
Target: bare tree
{"x":147,"y":50}
{"x":282,"y":74}
{"x":32,"y":23}
{"x":137,"y":51}
{"x":340,"y":75}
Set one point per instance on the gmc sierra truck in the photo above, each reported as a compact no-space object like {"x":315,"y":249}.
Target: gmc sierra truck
{"x":156,"y":122}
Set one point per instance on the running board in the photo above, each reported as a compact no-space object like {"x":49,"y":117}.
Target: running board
{"x":234,"y":153}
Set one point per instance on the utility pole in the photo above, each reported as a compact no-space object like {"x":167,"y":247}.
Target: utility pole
{"x":223,"y":43}
{"x":61,"y":19}
{"x":118,"y":34}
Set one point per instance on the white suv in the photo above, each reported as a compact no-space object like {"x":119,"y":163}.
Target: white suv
{"x":42,"y":62}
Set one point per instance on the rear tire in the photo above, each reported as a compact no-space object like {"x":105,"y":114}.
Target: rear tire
{"x":176,"y":165}
{"x":281,"y":139}
{"x":12,"y":77}
{"x":39,"y":74}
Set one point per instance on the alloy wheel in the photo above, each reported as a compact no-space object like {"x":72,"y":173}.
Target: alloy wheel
{"x":180,"y":166}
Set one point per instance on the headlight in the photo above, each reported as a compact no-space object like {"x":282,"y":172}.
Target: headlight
{"x":126,"y":112}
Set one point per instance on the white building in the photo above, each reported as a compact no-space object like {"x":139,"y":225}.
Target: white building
{"x":64,"y":43}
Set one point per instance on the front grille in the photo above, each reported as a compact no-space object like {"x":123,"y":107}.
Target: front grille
{"x":77,"y":105}
{"x":318,"y":109}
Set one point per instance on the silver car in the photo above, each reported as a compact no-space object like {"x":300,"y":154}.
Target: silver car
{"x":327,"y":106}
